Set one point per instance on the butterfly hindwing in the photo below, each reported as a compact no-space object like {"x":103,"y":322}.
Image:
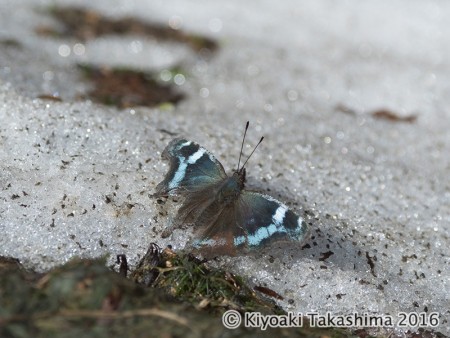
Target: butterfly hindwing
{"x":192,"y":168}
{"x":217,"y":227}
{"x":250,"y":222}
{"x":263,"y":218}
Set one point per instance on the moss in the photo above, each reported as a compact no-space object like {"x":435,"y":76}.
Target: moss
{"x":190,"y":279}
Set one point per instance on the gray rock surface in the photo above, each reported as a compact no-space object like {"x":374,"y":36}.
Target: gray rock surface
{"x":76,"y":176}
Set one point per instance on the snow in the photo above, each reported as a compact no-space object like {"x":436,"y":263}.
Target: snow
{"x":76,"y":177}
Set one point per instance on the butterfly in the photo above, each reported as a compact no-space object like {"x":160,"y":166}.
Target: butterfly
{"x":227,"y":217}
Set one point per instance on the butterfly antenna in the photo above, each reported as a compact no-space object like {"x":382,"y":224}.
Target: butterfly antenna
{"x":262,"y":138}
{"x":242,"y":145}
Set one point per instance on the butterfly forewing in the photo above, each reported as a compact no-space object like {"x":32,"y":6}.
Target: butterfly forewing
{"x":192,"y":168}
{"x":197,"y":203}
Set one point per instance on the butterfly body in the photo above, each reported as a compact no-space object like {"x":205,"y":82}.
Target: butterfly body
{"x":231,"y":188}
{"x":228,"y":217}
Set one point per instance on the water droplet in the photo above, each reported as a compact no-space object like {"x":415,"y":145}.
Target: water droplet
{"x":79,"y":49}
{"x":64,"y":50}
{"x":165,"y":75}
{"x":204,"y":92}
{"x":179,"y":79}
{"x":268,"y":107}
{"x":340,"y":135}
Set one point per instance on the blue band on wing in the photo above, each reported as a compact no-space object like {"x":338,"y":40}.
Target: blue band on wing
{"x":282,"y":221}
{"x":192,"y":167}
{"x":184,"y":162}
